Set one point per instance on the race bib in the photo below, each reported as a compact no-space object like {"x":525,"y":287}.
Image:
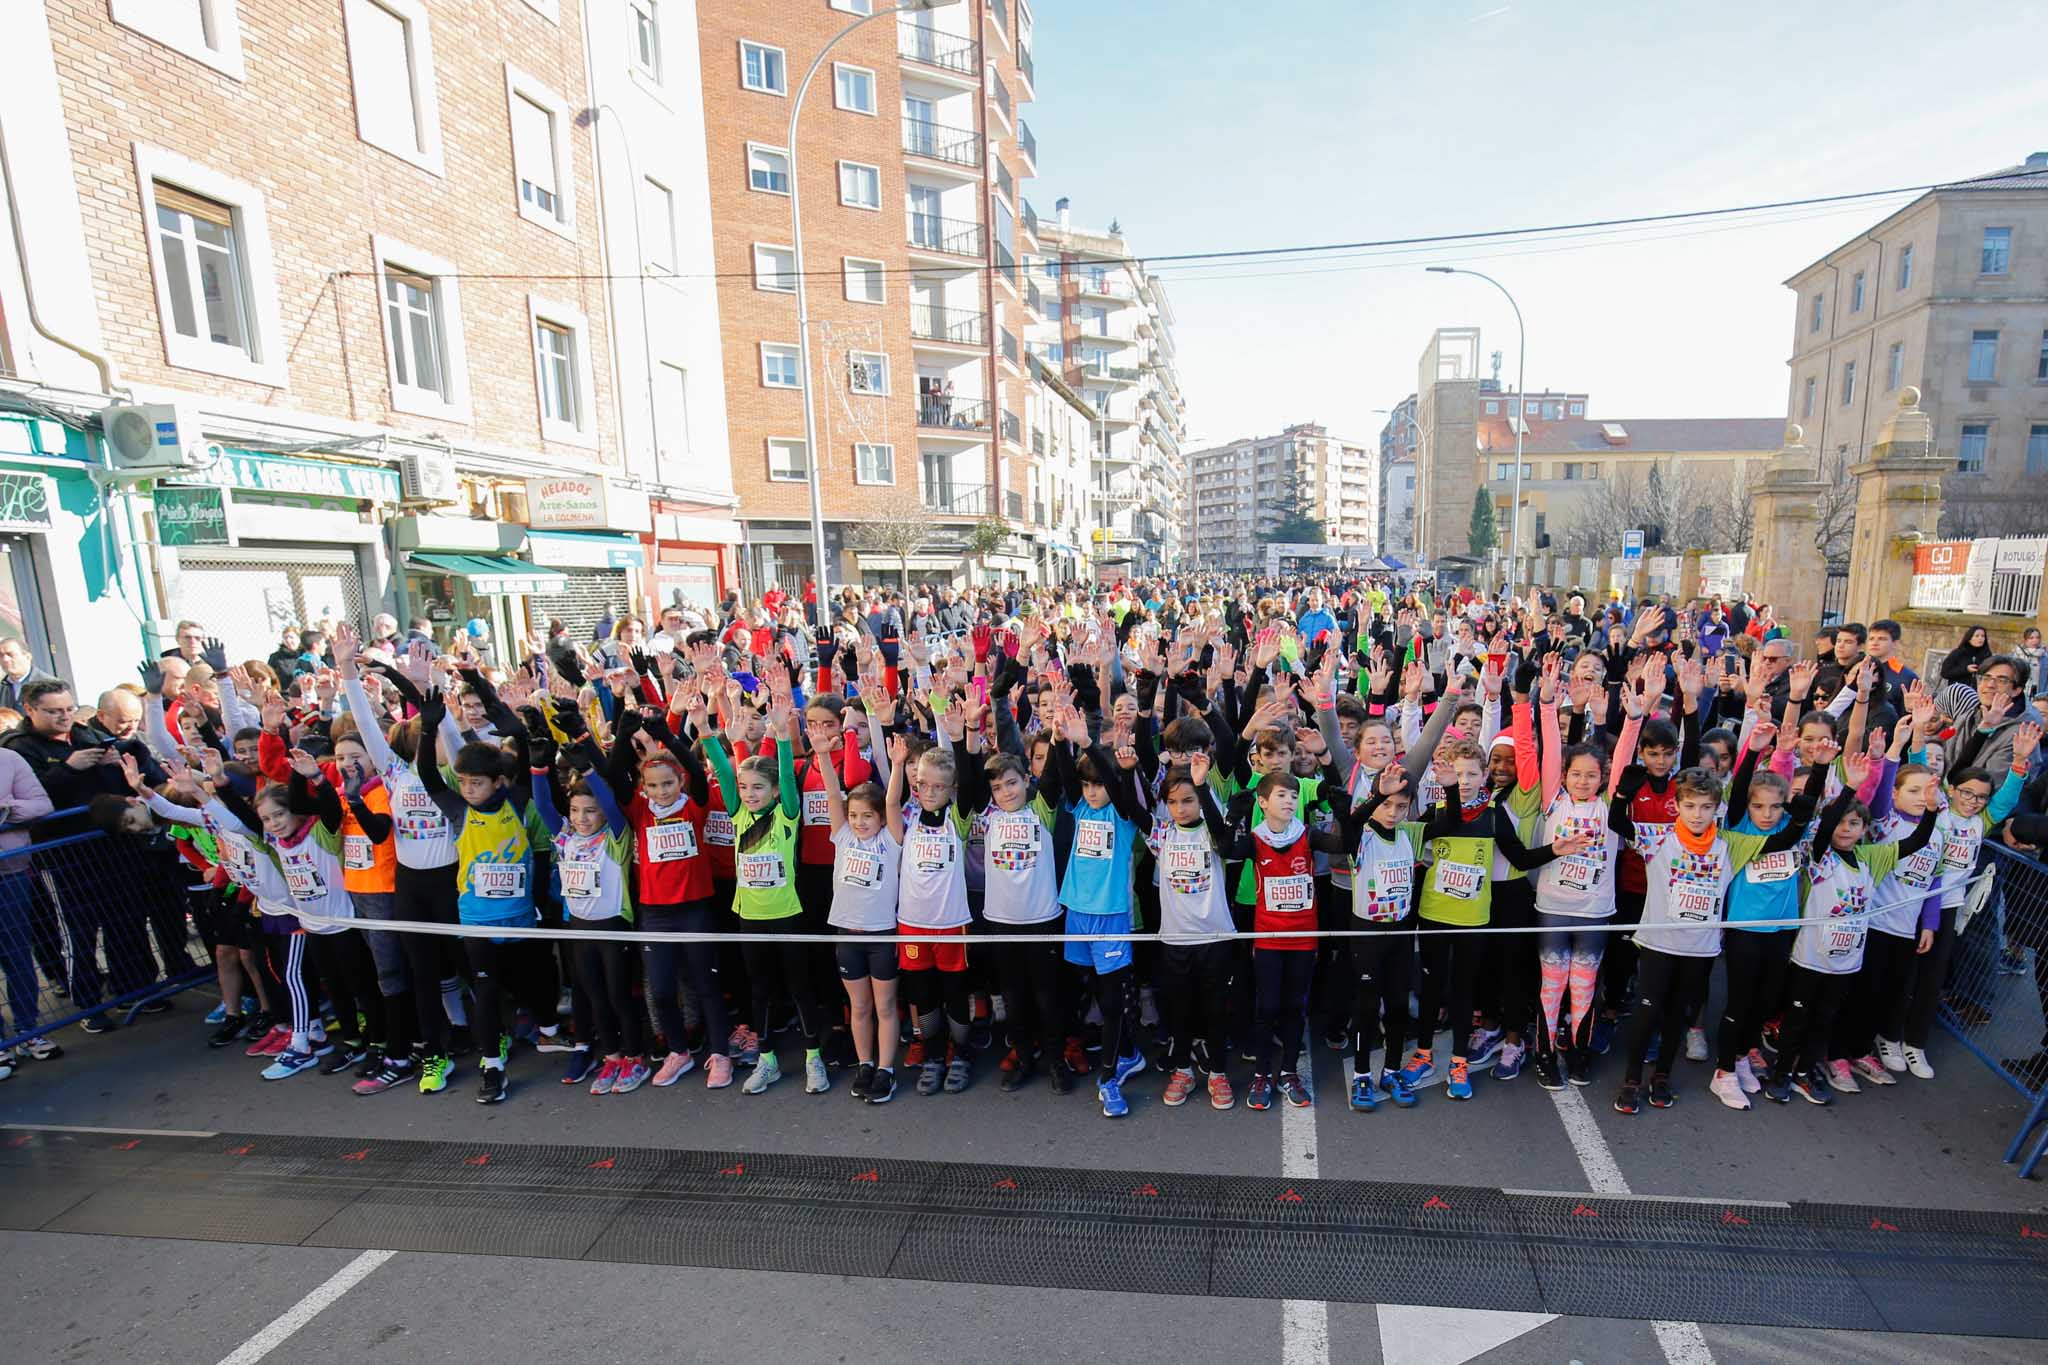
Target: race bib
{"x":1917,"y":871}
{"x":498,"y":881}
{"x":671,"y":841}
{"x":816,"y":809}
{"x":1094,"y":839}
{"x":1391,"y":880}
{"x":1842,"y":942}
{"x":579,"y":878}
{"x":1460,"y":881}
{"x":1187,"y":869}
{"x":303,"y":882}
{"x":1578,"y":874}
{"x":416,"y":812}
{"x":760,"y":871}
{"x":1693,"y":905}
{"x":861,"y":869}
{"x":930,"y":853}
{"x":1290,"y":895}
{"x":1013,"y":844}
{"x":1959,"y":851}
{"x":1649,"y":836}
{"x":1772,"y":867}
{"x":358,"y":854}
{"x":240,"y":862}
{"x":718,"y":829}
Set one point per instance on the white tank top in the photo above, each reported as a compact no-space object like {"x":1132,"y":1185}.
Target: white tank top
{"x":864,"y":885}
{"x":932,"y":882}
{"x":1581,"y":886}
{"x":1020,"y":885}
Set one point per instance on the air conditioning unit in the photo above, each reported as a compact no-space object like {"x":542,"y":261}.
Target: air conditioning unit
{"x":429,"y":476}
{"x":147,"y":438}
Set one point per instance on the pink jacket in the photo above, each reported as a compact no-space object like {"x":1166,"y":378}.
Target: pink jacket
{"x":22,"y":802}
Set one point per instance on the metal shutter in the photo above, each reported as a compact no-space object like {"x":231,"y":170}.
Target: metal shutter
{"x":592,"y":594}
{"x":245,"y":597}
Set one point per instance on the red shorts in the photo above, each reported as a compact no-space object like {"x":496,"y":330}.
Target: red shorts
{"x":948,"y":952}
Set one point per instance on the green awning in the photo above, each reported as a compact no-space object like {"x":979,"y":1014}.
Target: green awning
{"x":493,"y":575}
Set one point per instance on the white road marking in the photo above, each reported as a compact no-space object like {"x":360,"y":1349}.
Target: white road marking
{"x":1418,"y":1335}
{"x":308,"y":1308}
{"x":1304,"y":1323}
{"x":117,"y":1132}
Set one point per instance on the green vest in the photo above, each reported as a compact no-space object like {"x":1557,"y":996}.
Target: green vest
{"x":766,"y":873}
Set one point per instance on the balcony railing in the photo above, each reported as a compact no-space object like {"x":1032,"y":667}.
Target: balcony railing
{"x":958,"y":500}
{"x":952,"y":414}
{"x":1030,"y":219}
{"x":950,"y":52}
{"x":1013,"y":505}
{"x":1038,"y":443}
{"x":1010,"y":352}
{"x":1013,"y":427}
{"x":941,"y":142}
{"x":1003,"y":181}
{"x":953,"y":236}
{"x":929,"y":322}
{"x":1024,"y":64}
{"x":1000,"y":93}
{"x":1027,"y":142}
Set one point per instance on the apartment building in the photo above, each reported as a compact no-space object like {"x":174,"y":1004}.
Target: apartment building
{"x":354,"y":277}
{"x":1948,"y":295}
{"x":1242,"y":491}
{"x":910,"y":152}
{"x":1396,"y":519}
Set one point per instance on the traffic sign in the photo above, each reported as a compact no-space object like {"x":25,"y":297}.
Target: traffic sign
{"x":1631,"y":546}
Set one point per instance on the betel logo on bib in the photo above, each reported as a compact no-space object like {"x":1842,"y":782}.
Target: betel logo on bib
{"x":1772,"y":867}
{"x":1290,"y":894}
{"x":861,"y":869}
{"x":579,"y":877}
{"x":358,"y":854}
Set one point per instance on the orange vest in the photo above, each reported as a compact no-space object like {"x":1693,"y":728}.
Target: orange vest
{"x":367,"y":865}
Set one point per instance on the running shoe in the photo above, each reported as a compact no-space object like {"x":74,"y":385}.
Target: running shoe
{"x":1011,"y":1061}
{"x":1458,"y":1085}
{"x":156,"y":1006}
{"x":1398,"y":1089}
{"x":1017,"y":1069}
{"x":1603,"y":1034}
{"x":434,"y":1074}
{"x":97,"y":1023}
{"x":1891,"y":1054}
{"x":1179,"y":1086}
{"x":1337,"y":1036}
{"x":816,"y":1082}
{"x":1768,"y":1038}
{"x":1872,"y":1070}
{"x":1221,"y":1096}
{"x":231,"y":1029}
{"x":1778,"y":1090}
{"x":289,"y":1063}
{"x":1077,"y":1057}
{"x":6,"y":1064}
{"x":1578,"y":1066}
{"x":388,"y":1075}
{"x":524,"y":1030}
{"x":372,"y":1063}
{"x":1727,"y":1088}
{"x":1661,"y":1096}
{"x":1484,"y":1045}
{"x":633,"y":1074}
{"x":1745,"y":1077}
{"x":1917,"y":1063}
{"x":717,"y":1071}
{"x":271,"y":1044}
{"x":766,"y":1073}
{"x":556,"y":1041}
{"x":914,"y":1055}
{"x":863,"y":1077}
{"x":1112,"y":1096}
{"x":1365,"y":1096}
{"x":1813,"y":1088}
{"x":1061,"y":1075}
{"x":1293,"y":1091}
{"x":1696,"y":1045}
{"x":839,"y":1049}
{"x":343,"y":1057}
{"x":1420,"y":1067}
{"x":673,"y":1068}
{"x":40,"y":1049}
{"x":259,"y":1024}
{"x":1260,"y":1093}
{"x":490,"y":1086}
{"x":579,"y":1066}
{"x":2012,"y":961}
{"x":1129,"y":1066}
{"x":959,"y":1071}
{"x":1628,"y":1099}
{"x":607,"y":1076}
{"x":1840,"y":1076}
{"x":981,"y":1016}
{"x":744,"y":1046}
{"x":218,"y":1013}
{"x":1760,"y":1066}
{"x":1549,"y":1070}
{"x":1508,"y":1065}
{"x":883,"y":1088}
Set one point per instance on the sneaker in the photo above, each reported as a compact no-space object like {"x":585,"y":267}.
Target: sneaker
{"x":1293,"y":1091}
{"x":1017,"y":1069}
{"x":2012,"y":961}
{"x":231,"y":1028}
{"x":490,"y":1086}
{"x":1112,"y":1096}
{"x":1661,"y":1096}
{"x":1484,"y":1045}
{"x":1221,"y":1096}
{"x":434,"y":1074}
{"x":1337,"y":1037}
{"x":259,"y":1024}
{"x":387,"y":1075}
{"x":607,"y":1076}
{"x":1365,"y":1096}
{"x":1578,"y":1066}
{"x":816,"y":1082}
{"x":1727,"y":1087}
{"x":1811,"y":1087}
{"x":579,"y":1066}
{"x":1179,"y":1086}
{"x":1011,"y":1061}
{"x":1759,"y":1066}
{"x":767,"y":1072}
{"x":1892,"y":1055}
{"x":883,"y":1088}
{"x":289,"y":1063}
{"x":39,"y":1049}
{"x":1745,"y":1077}
{"x":218,"y":1013}
{"x":1778,"y":1090}
{"x":1508,"y":1065}
{"x":863,"y":1077}
{"x":1129,"y":1066}
{"x":1061,"y":1075}
{"x":914,"y":1054}
{"x":1550,"y":1070}
{"x":1696,"y":1045}
{"x":343,"y":1057}
{"x":633,"y":1073}
{"x":960,"y":1071}
{"x":1840,"y":1076}
{"x":744,"y":1046}
{"x":1148,"y":1008}
{"x":1398,"y":1089}
{"x":673,"y":1068}
{"x":838,"y":1049}
{"x":1420,"y":1067}
{"x":1077,"y":1057}
{"x":1870,"y":1069}
{"x":104,"y":1023}
{"x":1458,"y":1085}
{"x":524,"y":1029}
{"x":1628,"y":1099}
{"x":276,"y":1041}
{"x":1603,"y":1035}
{"x":717,"y":1071}
{"x":1260,"y":1095}
{"x":558,"y":1041}
{"x":1917,"y":1063}
{"x":156,"y":1006}
{"x":980,"y":1022}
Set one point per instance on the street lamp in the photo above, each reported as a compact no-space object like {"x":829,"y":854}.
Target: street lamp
{"x":812,"y":459}
{"x":1521,"y":415}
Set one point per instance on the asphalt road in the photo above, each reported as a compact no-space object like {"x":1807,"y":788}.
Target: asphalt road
{"x":1928,"y":1144}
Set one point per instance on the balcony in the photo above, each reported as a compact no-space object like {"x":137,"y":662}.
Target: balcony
{"x":1026,"y":143}
{"x":1004,"y":183}
{"x":1024,"y":65}
{"x":1110,"y":374}
{"x":999,"y":95}
{"x":1030,"y":220}
{"x":946,"y":51}
{"x":1013,"y":505}
{"x":1038,"y":443}
{"x":1010,"y":351}
{"x":967,"y":417}
{"x":1013,"y":428}
{"x":1038,"y":514}
{"x":947,"y":236}
{"x":958,"y":500}
{"x":951,"y":326}
{"x":941,"y":142}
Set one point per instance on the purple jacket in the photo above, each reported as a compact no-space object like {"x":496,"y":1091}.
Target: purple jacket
{"x":22,"y":802}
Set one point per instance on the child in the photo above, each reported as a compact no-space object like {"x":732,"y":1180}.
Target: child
{"x":932,"y":905}
{"x":1383,"y":900}
{"x":1195,"y":928}
{"x":1020,"y":893}
{"x":865,"y":872}
{"x":1660,"y":751}
{"x":369,"y":871}
{"x":310,"y":852}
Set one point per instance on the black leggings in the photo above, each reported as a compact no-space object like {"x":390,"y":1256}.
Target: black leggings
{"x":772,"y":965}
{"x":1810,"y":1018}
{"x":1928,"y":972}
{"x":1280,"y":989}
{"x":350,"y":975}
{"x":698,"y":960}
{"x":1194,"y":991}
{"x":1033,"y":979}
{"x":1113,"y":1001}
{"x":924,"y":991}
{"x":604,"y":969}
{"x":428,"y":894}
{"x":1875,"y":1004}
{"x":1757,"y":961}
{"x":1667,"y":985}
{"x":504,"y":975}
{"x":1507,"y":982}
{"x":1450,"y":969}
{"x":1382,"y":965}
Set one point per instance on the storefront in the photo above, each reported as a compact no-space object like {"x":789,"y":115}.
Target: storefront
{"x":601,"y":579}
{"x":695,"y":548}
{"x":458,"y":570}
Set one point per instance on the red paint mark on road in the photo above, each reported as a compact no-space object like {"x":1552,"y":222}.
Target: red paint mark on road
{"x":356,"y":1156}
{"x":1879,"y":1225}
{"x":1733,"y":1219}
{"x":1147,"y":1190}
{"x":605,"y":1165}
{"x":1005,"y":1184}
{"x":737,"y":1168}
{"x":243,"y":1150}
{"x":1436,"y":1201}
{"x":480,"y":1159}
{"x":130,"y":1145}
{"x":2030,"y":1233}
{"x":24,"y":1140}
{"x":1584,"y":1211}
{"x":1288,"y":1196}
{"x":870,"y":1175}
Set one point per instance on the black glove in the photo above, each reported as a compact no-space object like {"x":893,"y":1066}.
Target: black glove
{"x":216,"y":655}
{"x":569,"y":666}
{"x":571,"y":721}
{"x":536,"y":724}
{"x":152,"y":677}
{"x":641,"y":663}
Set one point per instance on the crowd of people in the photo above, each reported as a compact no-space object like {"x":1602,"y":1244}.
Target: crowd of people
{"x":1189,"y":824}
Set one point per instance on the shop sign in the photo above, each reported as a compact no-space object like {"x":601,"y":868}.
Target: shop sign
{"x":1954,"y":575}
{"x":1721,"y":575}
{"x":584,"y":502}
{"x":25,"y":502}
{"x":1664,"y":571}
{"x":192,"y":516}
{"x":318,"y":478}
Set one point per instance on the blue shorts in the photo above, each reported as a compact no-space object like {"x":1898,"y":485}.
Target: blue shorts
{"x":1106,"y":956}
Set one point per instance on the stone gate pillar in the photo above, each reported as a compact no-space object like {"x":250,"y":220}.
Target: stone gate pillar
{"x":1898,"y":502}
{"x":1785,"y":567}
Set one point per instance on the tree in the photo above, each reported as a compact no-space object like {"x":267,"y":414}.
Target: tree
{"x":900,"y":527}
{"x":1295,"y":521}
{"x":986,"y":538}
{"x":1834,"y":522}
{"x":1480,"y":535}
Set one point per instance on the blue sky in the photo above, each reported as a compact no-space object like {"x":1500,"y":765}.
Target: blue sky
{"x":1210,"y":125}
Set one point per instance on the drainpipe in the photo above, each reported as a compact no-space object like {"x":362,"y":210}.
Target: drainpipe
{"x":28,"y":285}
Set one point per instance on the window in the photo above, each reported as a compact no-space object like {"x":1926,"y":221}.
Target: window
{"x":1983,"y":356}
{"x":671,"y":409}
{"x":561,"y":367}
{"x":1806,"y":403}
{"x":2037,"y":449}
{"x":422,"y":331}
{"x":1856,"y":292}
{"x":1503,"y":471}
{"x":1819,"y":306}
{"x":2041,"y":365}
{"x":855,"y":6}
{"x":863,"y":280}
{"x":1571,"y":472}
{"x":554,"y":351}
{"x":1531,"y":409}
{"x":1578,"y":409}
{"x":779,"y":367}
{"x":873,"y":463}
{"x":644,"y":20}
{"x":853,"y":88}
{"x":391,"y":67}
{"x":1905,"y":265}
{"x":775,"y":268}
{"x":1552,"y":411}
{"x":767,"y":169}
{"x":209,"y":246}
{"x":786,"y":461}
{"x":1974,"y":448}
{"x":1848,"y":382}
{"x":207,"y":31}
{"x":867,"y":372}
{"x":658,"y":226}
{"x":1996,"y":256}
{"x":762,"y":68}
{"x":860,"y":187}
{"x":540,"y":153}
{"x":1894,"y":366}
{"x":1492,"y":407}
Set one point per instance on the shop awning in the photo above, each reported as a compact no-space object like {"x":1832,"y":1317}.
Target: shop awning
{"x":1392,"y":563}
{"x":493,"y":575}
{"x":585,"y":550}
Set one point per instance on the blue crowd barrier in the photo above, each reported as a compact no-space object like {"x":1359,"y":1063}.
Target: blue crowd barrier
{"x":1995,"y":999}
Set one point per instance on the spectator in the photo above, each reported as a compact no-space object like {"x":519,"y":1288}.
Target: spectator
{"x":22,"y":802}
{"x":1315,"y":617}
{"x":383,"y":632}
{"x":2030,"y":650}
{"x":288,"y":659}
{"x":1961,"y":663}
{"x":17,"y":670}
{"x":191,"y":642}
{"x":1984,"y":738}
{"x":1836,"y":667}
{"x":1882,"y":644}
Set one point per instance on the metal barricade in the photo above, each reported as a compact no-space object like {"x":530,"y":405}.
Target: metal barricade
{"x":1996,"y":996}
{"x":92,"y":923}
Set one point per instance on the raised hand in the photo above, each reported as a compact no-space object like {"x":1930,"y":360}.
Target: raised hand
{"x":1553,"y":663}
{"x":305,"y":765}
{"x":214,"y":655}
{"x":1825,"y":751}
{"x":1198,"y":768}
{"x":1126,"y":757}
{"x":346,"y":647}
{"x":2026,"y":738}
{"x":1802,"y":675}
{"x":152,"y":677}
{"x":1855,"y":768}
